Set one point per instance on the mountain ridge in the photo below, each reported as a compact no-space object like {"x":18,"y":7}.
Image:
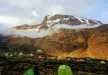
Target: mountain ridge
{"x":50,"y":21}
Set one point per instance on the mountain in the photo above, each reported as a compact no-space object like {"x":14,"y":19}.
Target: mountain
{"x":90,"y":41}
{"x":51,"y":21}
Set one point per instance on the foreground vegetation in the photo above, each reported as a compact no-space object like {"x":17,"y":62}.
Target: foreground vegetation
{"x":82,"y":66}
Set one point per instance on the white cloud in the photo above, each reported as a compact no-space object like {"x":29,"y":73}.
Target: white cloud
{"x":13,"y":21}
{"x":34,"y":13}
{"x":8,"y":20}
{"x":55,"y":10}
{"x":25,"y":7}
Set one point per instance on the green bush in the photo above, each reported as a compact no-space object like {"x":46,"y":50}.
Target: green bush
{"x":29,"y":72}
{"x":64,"y":70}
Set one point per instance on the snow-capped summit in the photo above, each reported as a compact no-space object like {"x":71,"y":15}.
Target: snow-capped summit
{"x":71,"y":20}
{"x":63,"y":21}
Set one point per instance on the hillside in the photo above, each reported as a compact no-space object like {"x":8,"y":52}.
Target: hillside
{"x":92,"y":42}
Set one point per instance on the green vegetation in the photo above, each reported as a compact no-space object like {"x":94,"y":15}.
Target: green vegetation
{"x":64,"y":70}
{"x":29,"y":72}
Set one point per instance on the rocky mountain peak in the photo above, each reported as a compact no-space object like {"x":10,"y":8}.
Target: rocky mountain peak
{"x":71,"y":20}
{"x":62,"y":21}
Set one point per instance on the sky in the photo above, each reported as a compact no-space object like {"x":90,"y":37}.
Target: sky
{"x":27,"y":11}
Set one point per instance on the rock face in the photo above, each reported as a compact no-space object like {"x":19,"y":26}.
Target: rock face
{"x":72,"y":43}
{"x":78,"y":43}
{"x":98,"y":43}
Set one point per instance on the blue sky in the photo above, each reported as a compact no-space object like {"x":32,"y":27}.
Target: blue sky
{"x":21,"y":10}
{"x":99,"y":11}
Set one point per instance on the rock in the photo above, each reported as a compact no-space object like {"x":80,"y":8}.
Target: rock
{"x":98,"y":43}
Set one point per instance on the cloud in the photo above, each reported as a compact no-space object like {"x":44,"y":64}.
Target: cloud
{"x":13,"y":20}
{"x":8,"y":20}
{"x":55,"y":10}
{"x":34,"y":13}
{"x":24,"y":7}
{"x":6,"y":23}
